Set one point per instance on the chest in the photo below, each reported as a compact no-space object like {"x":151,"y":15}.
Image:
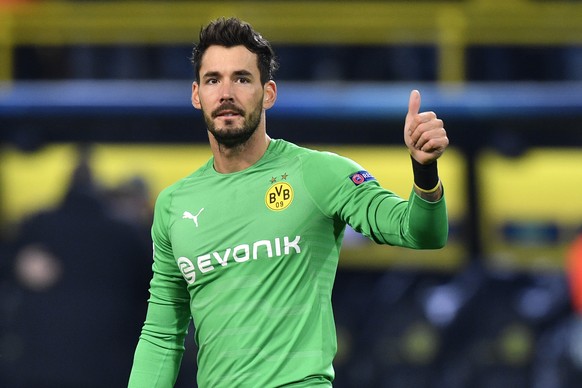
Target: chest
{"x":252,"y":215}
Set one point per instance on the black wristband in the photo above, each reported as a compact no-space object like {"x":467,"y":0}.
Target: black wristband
{"x":426,"y":176}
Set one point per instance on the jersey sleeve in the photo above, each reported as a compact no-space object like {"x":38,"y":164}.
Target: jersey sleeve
{"x":342,"y":189}
{"x":161,"y":344}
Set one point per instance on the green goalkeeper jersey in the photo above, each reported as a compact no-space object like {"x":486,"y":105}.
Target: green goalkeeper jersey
{"x":251,"y":257}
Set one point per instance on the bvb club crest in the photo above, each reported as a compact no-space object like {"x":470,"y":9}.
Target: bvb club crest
{"x":279,"y":196}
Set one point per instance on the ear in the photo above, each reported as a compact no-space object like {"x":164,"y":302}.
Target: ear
{"x":195,"y":96}
{"x":270,"y":94}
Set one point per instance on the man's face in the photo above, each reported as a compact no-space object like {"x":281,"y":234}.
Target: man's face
{"x":230,"y":94}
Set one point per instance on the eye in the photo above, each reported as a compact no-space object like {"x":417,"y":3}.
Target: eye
{"x":211,"y":81}
{"x":243,"y":80}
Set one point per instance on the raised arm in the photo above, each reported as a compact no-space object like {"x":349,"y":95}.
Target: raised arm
{"x":426,"y":139}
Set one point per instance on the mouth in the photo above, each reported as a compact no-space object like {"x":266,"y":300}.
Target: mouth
{"x":227,"y":113}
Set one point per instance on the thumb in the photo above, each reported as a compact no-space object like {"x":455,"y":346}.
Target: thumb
{"x":414,"y":102}
{"x":413,"y":109}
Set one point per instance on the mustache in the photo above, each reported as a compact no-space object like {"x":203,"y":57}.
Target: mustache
{"x":227,"y":107}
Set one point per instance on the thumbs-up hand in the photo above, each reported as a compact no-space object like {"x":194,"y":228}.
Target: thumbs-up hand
{"x":424,"y":133}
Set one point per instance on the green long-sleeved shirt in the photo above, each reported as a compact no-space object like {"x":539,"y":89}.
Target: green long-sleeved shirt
{"x":251,"y":257}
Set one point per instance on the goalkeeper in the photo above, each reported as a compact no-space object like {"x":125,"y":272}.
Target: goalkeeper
{"x":247,"y":246}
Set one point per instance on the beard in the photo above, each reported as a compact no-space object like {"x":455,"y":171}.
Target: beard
{"x":233,"y":137}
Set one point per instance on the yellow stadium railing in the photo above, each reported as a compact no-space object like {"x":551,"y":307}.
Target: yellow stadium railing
{"x":451,"y":26}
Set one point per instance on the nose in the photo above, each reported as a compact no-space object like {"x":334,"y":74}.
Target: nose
{"x":226,"y":92}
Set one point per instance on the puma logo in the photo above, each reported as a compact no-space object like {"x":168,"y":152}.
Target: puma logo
{"x":192,"y":217}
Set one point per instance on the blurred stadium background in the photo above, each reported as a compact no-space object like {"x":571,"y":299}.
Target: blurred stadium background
{"x":98,"y":92}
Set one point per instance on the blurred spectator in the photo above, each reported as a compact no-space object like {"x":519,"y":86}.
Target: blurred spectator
{"x":574,"y":271}
{"x":80,"y":279}
{"x":558,"y":360}
{"x":130,"y":202}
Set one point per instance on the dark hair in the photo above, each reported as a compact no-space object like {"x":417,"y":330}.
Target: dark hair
{"x":235,"y":32}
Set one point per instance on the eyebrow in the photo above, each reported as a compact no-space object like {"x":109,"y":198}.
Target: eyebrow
{"x":214,"y":74}
{"x":243,"y":72}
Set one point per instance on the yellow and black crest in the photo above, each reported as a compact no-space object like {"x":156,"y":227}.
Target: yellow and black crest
{"x":280,"y":195}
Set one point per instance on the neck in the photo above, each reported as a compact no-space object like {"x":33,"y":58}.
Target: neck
{"x":228,"y":160}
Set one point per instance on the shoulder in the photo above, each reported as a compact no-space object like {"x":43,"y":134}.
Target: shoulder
{"x":330,"y":163}
{"x":165,"y":196}
{"x":324,"y":170}
{"x":314,"y":157}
